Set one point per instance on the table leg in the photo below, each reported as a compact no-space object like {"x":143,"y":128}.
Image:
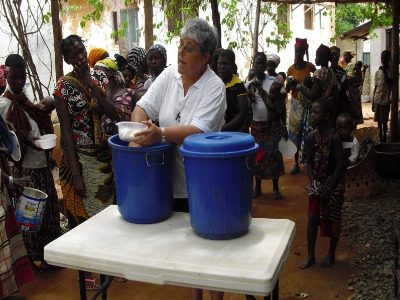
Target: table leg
{"x":82,"y":286}
{"x":102,"y":281}
{"x":275,"y":292}
{"x":103,"y":289}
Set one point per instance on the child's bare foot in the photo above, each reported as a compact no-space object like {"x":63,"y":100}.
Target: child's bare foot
{"x":328,"y":261}
{"x":307,"y":263}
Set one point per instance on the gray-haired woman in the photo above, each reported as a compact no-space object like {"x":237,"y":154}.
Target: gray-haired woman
{"x":186,"y":99}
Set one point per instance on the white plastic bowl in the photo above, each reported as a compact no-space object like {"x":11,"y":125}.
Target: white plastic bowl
{"x":127,"y":130}
{"x":47,"y":141}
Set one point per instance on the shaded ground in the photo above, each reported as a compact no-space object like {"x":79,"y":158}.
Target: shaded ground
{"x":316,"y":282}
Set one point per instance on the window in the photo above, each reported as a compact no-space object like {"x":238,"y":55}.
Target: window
{"x":366,"y":58}
{"x":131,"y":32}
{"x":283,"y":18}
{"x":308,"y":16}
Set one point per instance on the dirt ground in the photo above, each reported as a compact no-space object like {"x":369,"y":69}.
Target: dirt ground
{"x":315,"y":282}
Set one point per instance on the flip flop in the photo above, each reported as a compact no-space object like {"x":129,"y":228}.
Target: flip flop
{"x":91,"y":284}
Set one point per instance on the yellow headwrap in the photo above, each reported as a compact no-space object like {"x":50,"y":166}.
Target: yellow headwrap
{"x":94,"y":55}
{"x":352,"y":53}
{"x":107,"y":63}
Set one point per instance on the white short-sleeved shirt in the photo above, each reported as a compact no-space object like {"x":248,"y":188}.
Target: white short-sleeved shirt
{"x":203,"y":106}
{"x":355,"y":148}
{"x":260,"y":111}
{"x":33,"y":159}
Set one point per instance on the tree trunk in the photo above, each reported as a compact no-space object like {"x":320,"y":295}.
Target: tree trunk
{"x":57,"y":37}
{"x":148,"y":23}
{"x":256,"y":28}
{"x":394,"y":135}
{"x":216,"y":20}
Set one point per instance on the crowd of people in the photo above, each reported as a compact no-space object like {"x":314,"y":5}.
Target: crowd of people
{"x":200,"y":93}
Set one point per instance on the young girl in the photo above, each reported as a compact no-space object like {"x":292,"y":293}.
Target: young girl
{"x":267,"y":135}
{"x":345,"y":125}
{"x":31,"y":121}
{"x":325,"y":169}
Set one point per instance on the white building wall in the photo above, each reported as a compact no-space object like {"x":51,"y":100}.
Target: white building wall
{"x":98,"y":34}
{"x":41,"y":49}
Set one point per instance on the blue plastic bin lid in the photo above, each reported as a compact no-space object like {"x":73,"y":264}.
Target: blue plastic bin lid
{"x":218,"y":144}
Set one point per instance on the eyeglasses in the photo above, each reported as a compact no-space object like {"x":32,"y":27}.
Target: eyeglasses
{"x":186,"y":48}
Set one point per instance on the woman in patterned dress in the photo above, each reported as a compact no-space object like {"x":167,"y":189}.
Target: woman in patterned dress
{"x":85,"y":172}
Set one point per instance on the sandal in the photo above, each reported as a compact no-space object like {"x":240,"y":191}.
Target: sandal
{"x":277,"y":195}
{"x":120,"y":279}
{"x":91,"y":284}
{"x":295,"y":169}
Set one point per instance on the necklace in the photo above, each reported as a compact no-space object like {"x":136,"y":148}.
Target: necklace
{"x":189,"y":92}
{"x":178,"y":115}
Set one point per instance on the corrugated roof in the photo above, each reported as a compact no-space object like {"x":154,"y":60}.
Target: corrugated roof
{"x":360,"y":32}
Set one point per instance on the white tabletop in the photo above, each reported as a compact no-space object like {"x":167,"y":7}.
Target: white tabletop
{"x":171,"y":253}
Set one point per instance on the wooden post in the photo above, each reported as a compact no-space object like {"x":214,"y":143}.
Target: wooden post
{"x":394,"y":135}
{"x":216,"y":20}
{"x":57,"y":37}
{"x":148,"y":23}
{"x":256,"y":28}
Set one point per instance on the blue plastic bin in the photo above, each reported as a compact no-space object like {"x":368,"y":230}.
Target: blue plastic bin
{"x":219,"y":176}
{"x":143,"y":180}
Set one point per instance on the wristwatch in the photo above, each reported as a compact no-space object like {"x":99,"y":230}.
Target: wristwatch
{"x":163,"y":137}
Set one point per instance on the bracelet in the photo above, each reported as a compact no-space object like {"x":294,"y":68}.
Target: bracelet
{"x":10,"y":181}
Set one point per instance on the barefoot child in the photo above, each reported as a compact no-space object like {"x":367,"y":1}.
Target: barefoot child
{"x":325,"y":168}
{"x":345,"y":125}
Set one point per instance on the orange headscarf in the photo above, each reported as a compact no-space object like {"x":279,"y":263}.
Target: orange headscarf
{"x":94,"y":56}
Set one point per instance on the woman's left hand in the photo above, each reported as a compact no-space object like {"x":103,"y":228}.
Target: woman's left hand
{"x":299,"y":87}
{"x":30,"y":141}
{"x":149,"y":136}
{"x":325,"y":193}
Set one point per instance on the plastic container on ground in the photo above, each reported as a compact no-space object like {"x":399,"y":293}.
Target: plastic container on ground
{"x":387,"y":159}
{"x":127,"y":130}
{"x":143,"y":180}
{"x":287,"y":148}
{"x":30,"y":208}
{"x":219,"y":176}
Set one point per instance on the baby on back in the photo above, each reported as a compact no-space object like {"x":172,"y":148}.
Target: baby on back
{"x":345,"y":125}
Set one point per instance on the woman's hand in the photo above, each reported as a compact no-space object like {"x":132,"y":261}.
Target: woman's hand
{"x":79,"y":186}
{"x":299,"y":87}
{"x":17,"y":185}
{"x":325,"y":192}
{"x":149,"y":136}
{"x":30,"y":141}
{"x":81,"y":70}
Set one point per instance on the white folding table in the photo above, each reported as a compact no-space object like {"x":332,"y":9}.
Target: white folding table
{"x":170,"y":252}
